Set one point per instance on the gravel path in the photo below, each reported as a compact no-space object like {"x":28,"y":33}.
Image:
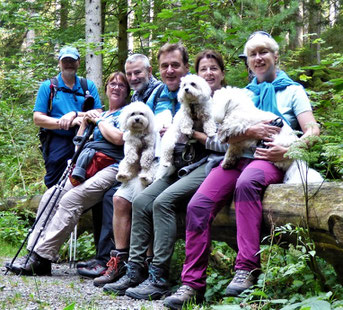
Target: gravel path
{"x":64,"y":288}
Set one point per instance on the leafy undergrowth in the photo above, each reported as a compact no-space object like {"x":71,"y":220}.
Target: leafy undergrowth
{"x":287,"y":282}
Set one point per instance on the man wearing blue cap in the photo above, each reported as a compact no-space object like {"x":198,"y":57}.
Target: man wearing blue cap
{"x":58,"y":109}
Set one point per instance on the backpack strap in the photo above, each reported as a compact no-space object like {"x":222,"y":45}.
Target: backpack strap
{"x":53,"y":90}
{"x":84,"y":85}
{"x":157,"y":97}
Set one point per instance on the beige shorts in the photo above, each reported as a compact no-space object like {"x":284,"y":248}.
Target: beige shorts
{"x":129,"y":190}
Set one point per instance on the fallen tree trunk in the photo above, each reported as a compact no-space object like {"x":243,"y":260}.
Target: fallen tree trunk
{"x":282,"y":204}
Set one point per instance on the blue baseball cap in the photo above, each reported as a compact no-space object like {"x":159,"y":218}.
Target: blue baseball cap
{"x":69,"y":51}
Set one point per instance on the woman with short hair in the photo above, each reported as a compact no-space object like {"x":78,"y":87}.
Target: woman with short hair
{"x":271,"y":90}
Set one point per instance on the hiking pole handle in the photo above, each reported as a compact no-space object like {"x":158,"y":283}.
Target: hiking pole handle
{"x":81,"y":143}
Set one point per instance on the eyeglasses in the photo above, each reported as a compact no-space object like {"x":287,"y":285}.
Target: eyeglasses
{"x":259,"y":32}
{"x":119,"y":85}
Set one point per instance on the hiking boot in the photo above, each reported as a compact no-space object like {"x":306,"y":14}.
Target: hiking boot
{"x":16,"y":266}
{"x":155,"y":287}
{"x":242,"y":280}
{"x":86,"y":264}
{"x":185,"y":294}
{"x":135,"y":274}
{"x":94,"y":270}
{"x":116,"y":268}
{"x":36,"y":265}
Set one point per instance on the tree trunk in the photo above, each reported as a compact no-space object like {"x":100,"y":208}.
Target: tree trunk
{"x":93,"y":41}
{"x":299,"y":28}
{"x":314,"y":29}
{"x":63,"y":14}
{"x":122,"y":34}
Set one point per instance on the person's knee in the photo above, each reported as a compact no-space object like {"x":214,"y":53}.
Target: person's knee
{"x":243,"y":184}
{"x":121,"y":205}
{"x":198,"y":215}
{"x":142,"y":205}
{"x":70,"y":204}
{"x":162,"y":201}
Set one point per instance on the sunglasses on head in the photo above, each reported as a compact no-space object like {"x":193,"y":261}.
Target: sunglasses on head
{"x":259,"y":32}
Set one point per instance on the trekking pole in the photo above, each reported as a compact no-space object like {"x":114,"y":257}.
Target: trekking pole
{"x":81,"y":141}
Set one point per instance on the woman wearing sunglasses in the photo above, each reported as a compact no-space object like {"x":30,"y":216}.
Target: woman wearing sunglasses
{"x":271,"y":90}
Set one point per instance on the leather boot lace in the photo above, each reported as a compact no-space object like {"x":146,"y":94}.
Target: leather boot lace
{"x":184,"y":289}
{"x":241,"y":276}
{"x":112,"y":264}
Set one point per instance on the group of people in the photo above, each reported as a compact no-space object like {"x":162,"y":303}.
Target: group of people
{"x":143,"y":225}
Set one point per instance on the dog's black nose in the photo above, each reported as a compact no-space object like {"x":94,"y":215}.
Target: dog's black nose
{"x":137,"y":120}
{"x":186,"y":90}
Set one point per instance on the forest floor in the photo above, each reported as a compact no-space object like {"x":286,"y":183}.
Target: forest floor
{"x":65,"y":289}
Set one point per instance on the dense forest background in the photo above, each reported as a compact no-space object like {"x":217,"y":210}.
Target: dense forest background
{"x":310,"y":33}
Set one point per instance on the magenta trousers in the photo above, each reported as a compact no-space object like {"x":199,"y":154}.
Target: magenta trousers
{"x":245,"y":183}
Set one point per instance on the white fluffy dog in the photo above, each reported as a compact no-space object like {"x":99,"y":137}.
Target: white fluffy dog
{"x":235,"y":112}
{"x":194,"y":114}
{"x":137,"y":122}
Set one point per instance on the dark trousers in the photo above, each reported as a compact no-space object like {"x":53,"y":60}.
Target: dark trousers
{"x":60,"y":149}
{"x":103,"y":229}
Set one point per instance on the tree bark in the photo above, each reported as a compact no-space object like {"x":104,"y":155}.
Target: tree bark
{"x":93,"y":41}
{"x":63,"y":14}
{"x":122,"y":34}
{"x":314,"y":28}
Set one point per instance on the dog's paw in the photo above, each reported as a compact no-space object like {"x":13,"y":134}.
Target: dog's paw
{"x":166,"y":164}
{"x":210,"y":133}
{"x":164,"y":170}
{"x":145,"y":179}
{"x":122,"y":177}
{"x":228,"y":163}
{"x":187,"y":131}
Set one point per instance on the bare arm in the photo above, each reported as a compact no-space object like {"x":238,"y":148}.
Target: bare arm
{"x":259,"y":131}
{"x":199,"y":136}
{"x":65,"y":122}
{"x":309,"y":127}
{"x":111,"y":133}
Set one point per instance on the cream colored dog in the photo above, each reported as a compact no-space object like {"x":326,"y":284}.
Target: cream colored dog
{"x":235,"y":112}
{"x":194,"y":114}
{"x":137,"y":122}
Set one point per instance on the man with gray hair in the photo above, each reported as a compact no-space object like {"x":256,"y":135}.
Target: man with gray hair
{"x":139,"y":74}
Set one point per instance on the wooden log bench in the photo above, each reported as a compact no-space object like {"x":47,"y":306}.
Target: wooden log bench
{"x":282,"y":204}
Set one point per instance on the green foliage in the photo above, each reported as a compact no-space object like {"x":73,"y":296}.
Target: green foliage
{"x":287,"y":281}
{"x":85,"y":248}
{"x":220,"y":24}
{"x":219,"y":274}
{"x":13,"y":228}
{"x":176,"y":263}
{"x":324,"y":82}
